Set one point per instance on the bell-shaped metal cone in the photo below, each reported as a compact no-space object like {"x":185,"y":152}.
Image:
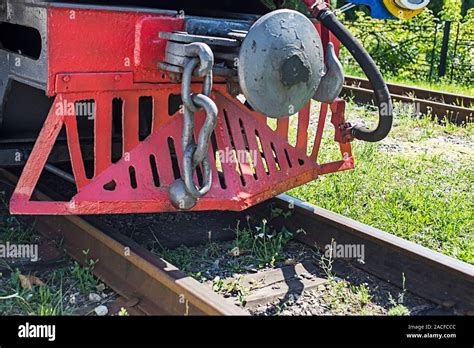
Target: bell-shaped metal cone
{"x":281,"y":63}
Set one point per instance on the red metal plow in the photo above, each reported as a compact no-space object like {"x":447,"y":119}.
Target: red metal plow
{"x":251,"y":161}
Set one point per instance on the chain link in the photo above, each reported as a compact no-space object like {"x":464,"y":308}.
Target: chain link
{"x":195,"y":154}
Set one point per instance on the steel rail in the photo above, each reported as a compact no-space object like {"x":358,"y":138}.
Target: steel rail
{"x":156,"y":286}
{"x":419,"y":93}
{"x":427,"y":273}
{"x":457,"y":109}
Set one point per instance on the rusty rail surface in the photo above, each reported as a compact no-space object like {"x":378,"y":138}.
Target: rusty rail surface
{"x":156,"y":286}
{"x":428,"y":274}
{"x":457,"y":109}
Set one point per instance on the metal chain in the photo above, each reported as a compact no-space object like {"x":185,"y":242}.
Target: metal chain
{"x":195,"y":154}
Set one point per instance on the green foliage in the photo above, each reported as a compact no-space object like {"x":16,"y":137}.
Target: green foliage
{"x":297,"y":5}
{"x":263,"y":242}
{"x":86,"y":281}
{"x":181,"y":257}
{"x":451,"y":10}
{"x":230,"y":288}
{"x":466,"y":6}
{"x":123,"y":312}
{"x":399,"y":310}
{"x":465,"y":45}
{"x":362,"y":292}
{"x":436,"y":7}
{"x":341,"y":297}
{"x":42,"y":300}
{"x":411,"y":49}
{"x":14,"y":231}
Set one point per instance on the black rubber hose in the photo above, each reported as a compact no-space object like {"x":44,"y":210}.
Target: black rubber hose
{"x":382,"y":94}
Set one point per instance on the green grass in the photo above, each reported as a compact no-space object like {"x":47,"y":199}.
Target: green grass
{"x":13,"y":231}
{"x":44,"y":300}
{"x":14,"y":299}
{"x":40,"y":293}
{"x":416,"y":184}
{"x":181,"y":257}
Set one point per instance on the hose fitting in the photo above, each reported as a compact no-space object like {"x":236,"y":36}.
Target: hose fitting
{"x":382,"y":95}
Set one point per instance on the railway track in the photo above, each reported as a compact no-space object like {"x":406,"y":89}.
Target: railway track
{"x":137,"y":275}
{"x":157,"y":287}
{"x":457,"y":109}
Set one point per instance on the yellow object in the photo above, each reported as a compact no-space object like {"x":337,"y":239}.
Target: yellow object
{"x":400,"y":12}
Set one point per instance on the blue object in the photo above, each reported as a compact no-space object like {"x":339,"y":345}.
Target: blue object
{"x":378,"y":9}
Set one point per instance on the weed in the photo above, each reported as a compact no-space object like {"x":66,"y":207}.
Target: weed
{"x":233,"y":287}
{"x":341,"y":297}
{"x":44,"y":300}
{"x":182,"y":257}
{"x":263,"y":242}
{"x":213,"y":249}
{"x":278,"y":212}
{"x":326,"y":262}
{"x":14,"y":231}
{"x":244,"y":239}
{"x":86,"y":281}
{"x":398,"y":308}
{"x":279,"y":308}
{"x":123,"y":312}
{"x":362,"y":293}
{"x":198,"y":276}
